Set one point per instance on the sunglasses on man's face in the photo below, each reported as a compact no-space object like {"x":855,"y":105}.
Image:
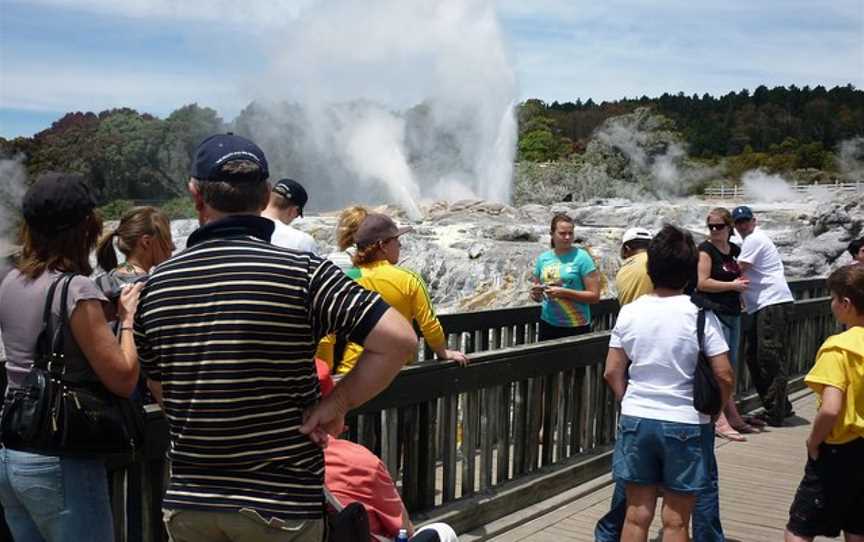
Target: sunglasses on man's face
{"x":717,"y":227}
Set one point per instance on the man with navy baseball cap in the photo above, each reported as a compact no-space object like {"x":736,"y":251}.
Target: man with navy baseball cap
{"x":769,"y":302}
{"x":226,"y":332}
{"x":286,"y":203}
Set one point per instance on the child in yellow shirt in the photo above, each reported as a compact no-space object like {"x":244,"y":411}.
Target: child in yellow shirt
{"x":830,"y":497}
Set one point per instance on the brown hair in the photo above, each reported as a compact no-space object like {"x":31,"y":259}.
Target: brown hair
{"x":134,"y":224}
{"x":246,"y":193}
{"x":724,"y":214}
{"x":349,"y":221}
{"x":848,"y":281}
{"x":66,"y":251}
{"x":559,"y":217}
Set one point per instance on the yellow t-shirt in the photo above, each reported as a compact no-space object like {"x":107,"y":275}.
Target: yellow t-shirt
{"x":840,"y":364}
{"x":632,"y":279}
{"x":403,"y":290}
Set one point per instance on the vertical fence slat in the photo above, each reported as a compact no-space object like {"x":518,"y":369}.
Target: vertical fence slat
{"x":427,"y":454}
{"x":550,"y":400}
{"x":503,"y":440}
{"x":520,"y":420}
{"x":450,"y":408}
{"x":488,"y":417}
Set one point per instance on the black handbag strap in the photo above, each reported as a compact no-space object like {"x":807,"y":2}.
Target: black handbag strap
{"x":700,"y":328}
{"x":49,"y":344}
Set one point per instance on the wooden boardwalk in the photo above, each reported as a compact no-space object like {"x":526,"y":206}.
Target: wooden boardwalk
{"x":758,"y":479}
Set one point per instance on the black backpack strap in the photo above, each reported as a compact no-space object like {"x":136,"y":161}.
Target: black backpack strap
{"x":44,"y":342}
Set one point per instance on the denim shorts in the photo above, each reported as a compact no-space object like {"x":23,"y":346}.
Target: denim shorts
{"x":674,"y":455}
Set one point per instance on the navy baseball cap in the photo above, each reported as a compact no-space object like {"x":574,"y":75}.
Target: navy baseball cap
{"x":741,"y":213}
{"x":57,"y":202}
{"x":217,"y":150}
{"x":292,"y":190}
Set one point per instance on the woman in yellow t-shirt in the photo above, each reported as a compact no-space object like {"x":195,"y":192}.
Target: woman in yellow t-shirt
{"x":376,"y":237}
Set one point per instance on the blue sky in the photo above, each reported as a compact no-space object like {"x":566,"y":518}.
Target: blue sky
{"x":157,"y":55}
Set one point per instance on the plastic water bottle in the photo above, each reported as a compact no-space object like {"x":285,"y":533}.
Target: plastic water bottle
{"x":402,"y":536}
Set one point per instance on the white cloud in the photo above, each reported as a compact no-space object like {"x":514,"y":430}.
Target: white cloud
{"x":226,"y":12}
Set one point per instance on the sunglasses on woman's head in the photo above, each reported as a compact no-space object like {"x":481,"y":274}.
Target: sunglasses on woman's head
{"x":717,"y":227}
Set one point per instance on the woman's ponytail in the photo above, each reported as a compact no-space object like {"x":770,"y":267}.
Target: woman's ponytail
{"x":106,"y":257}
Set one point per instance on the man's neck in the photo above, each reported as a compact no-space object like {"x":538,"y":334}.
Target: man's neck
{"x":212,"y":215}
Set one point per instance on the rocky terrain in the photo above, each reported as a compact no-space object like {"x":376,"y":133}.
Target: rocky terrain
{"x":476,"y":255}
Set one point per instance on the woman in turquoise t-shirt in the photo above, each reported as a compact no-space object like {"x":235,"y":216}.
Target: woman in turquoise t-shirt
{"x":567,"y":281}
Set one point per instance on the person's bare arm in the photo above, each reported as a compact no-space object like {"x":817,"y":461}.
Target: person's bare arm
{"x":385,"y":350}
{"x":826,"y":417}
{"x":591,"y":293}
{"x":615,"y":372}
{"x":745,"y":266}
{"x":722,"y":370}
{"x":115,"y":364}
{"x":707,"y":284}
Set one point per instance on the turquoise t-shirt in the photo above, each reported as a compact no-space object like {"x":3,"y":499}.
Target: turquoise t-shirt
{"x":569,"y":270}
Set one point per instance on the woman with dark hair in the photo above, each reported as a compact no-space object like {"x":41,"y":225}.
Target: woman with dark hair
{"x":143,"y":236}
{"x":567,"y":282}
{"x":376,"y":237}
{"x":47,"y":497}
{"x":719,"y":288}
{"x":663,"y":441}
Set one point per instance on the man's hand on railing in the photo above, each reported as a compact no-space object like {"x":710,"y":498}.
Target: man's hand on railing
{"x":456,"y":356}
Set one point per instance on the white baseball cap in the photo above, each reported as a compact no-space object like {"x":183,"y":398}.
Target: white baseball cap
{"x":636,"y":233}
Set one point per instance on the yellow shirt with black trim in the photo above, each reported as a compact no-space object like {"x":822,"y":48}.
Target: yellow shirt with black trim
{"x":840,"y":364}
{"x":632,"y":280}
{"x":403,"y":290}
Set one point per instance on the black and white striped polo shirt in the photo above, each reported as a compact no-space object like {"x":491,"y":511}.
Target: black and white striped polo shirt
{"x":229,"y":327}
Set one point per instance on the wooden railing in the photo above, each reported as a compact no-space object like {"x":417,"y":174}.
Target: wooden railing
{"x":736,"y":191}
{"x":523,"y":422}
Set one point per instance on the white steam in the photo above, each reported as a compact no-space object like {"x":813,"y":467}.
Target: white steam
{"x":851,"y":158}
{"x":13,"y":185}
{"x":766,"y":187}
{"x":655,"y":157}
{"x":396,"y":100}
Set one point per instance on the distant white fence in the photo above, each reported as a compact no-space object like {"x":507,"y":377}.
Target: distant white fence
{"x":737,"y":191}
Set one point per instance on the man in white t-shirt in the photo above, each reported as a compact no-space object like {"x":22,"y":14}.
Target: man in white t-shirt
{"x":287,"y":200}
{"x":769,"y":303}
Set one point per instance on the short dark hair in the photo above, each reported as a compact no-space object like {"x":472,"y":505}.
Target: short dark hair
{"x":672,"y":258}
{"x":848,"y":281}
{"x":855,"y":246}
{"x":245,"y":193}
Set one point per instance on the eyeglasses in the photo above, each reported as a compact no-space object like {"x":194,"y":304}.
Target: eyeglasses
{"x":717,"y":227}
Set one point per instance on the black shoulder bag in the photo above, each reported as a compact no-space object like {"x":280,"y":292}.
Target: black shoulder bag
{"x":706,"y":392}
{"x":50,"y":415}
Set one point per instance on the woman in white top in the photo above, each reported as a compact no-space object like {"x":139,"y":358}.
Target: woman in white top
{"x":663,"y":441}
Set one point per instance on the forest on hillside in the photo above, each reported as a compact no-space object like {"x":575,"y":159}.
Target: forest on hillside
{"x":128,"y":155}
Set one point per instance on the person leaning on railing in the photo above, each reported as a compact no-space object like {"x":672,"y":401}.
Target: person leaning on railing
{"x":61,"y":498}
{"x":663,"y":441}
{"x":376,"y":237}
{"x":567,"y":282}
